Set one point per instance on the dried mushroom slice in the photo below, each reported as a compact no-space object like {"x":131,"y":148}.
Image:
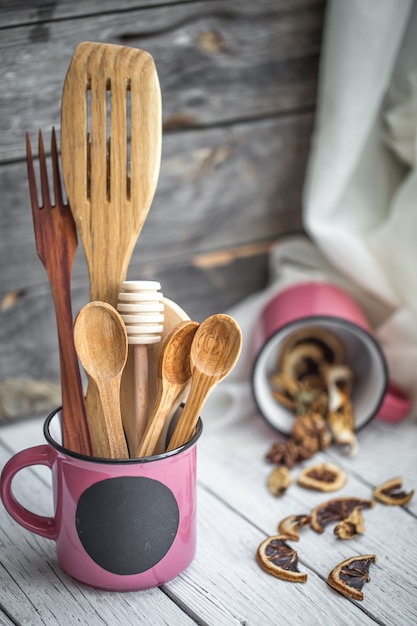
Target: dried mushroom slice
{"x":336,"y":510}
{"x":279,"y":480}
{"x":350,"y":575}
{"x":302,"y":360}
{"x":340,"y":409}
{"x":352,"y":526}
{"x":289,"y":526}
{"x":391,"y":493}
{"x":277,"y":558}
{"x":328,"y":343}
{"x":284,"y":389}
{"x":323,"y":477}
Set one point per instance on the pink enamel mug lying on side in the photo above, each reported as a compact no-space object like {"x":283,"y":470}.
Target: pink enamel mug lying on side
{"x":324,"y":305}
{"x":119,"y":525}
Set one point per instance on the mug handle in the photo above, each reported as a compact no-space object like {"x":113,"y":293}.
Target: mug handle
{"x":38,"y":524}
{"x":395,"y":406}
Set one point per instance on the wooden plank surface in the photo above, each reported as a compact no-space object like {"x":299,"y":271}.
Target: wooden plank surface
{"x":215,"y":65}
{"x":15,"y":12}
{"x":187,"y":222}
{"x":196,"y":208}
{"x":224,"y":585}
{"x":238,"y":82}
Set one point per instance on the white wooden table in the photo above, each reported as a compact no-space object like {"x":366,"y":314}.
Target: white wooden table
{"x":224,"y":585}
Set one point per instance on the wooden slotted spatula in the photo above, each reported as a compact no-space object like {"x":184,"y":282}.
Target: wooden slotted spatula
{"x":110,"y":93}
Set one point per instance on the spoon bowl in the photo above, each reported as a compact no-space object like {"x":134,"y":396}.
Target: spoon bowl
{"x":101,"y":344}
{"x":174,"y":374}
{"x":214,"y":352}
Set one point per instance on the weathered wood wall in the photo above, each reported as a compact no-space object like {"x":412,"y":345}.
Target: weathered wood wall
{"x":238,"y":82}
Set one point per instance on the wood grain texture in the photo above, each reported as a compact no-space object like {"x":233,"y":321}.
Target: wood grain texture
{"x":174,"y":377}
{"x":110,"y":197}
{"x":196,"y":209}
{"x":142,"y":312}
{"x":101,"y":343}
{"x":224,"y":586}
{"x":238,"y":117}
{"x":56,"y":243}
{"x":254,"y":59}
{"x":15,"y":12}
{"x":110,"y":190}
{"x":214,"y":352}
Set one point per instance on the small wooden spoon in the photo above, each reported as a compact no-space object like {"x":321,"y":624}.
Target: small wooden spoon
{"x":101,"y":343}
{"x":174,"y":373}
{"x":214,"y":352}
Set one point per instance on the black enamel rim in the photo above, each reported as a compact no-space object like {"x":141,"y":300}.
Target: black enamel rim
{"x":97,"y":459}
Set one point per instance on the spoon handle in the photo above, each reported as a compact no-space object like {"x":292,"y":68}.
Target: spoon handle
{"x":183,"y":431}
{"x":162,"y":441}
{"x":109,"y":395}
{"x":156,"y":422}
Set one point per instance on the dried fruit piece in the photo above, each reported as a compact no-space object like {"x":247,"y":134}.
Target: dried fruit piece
{"x":289,"y":526}
{"x":329,"y":344}
{"x":277,"y":558}
{"x":336,"y":510}
{"x":310,"y":431}
{"x":340,"y":411}
{"x":351,"y":526}
{"x":350,"y":575}
{"x":284,"y":389}
{"x":304,"y":359}
{"x":284,"y":453}
{"x":279,"y":480}
{"x":323,"y":477}
{"x":309,"y":434}
{"x":390,"y":493}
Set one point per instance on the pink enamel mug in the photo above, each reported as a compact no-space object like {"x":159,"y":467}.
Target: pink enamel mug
{"x":324,"y":305}
{"x":119,"y":525}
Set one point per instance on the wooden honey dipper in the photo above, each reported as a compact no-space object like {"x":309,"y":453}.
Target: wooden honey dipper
{"x":142,"y":311}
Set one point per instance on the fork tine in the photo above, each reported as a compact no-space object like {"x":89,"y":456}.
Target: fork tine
{"x":56,"y":172}
{"x":33,"y":190}
{"x":46,"y":200}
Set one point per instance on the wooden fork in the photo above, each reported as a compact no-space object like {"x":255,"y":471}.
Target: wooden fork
{"x":56,"y":243}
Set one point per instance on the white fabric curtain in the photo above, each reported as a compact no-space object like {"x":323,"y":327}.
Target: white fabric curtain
{"x":360,"y":194}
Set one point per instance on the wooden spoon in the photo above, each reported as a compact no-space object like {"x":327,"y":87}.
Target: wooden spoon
{"x":110,"y":92}
{"x":174,"y":374}
{"x":101,"y":343}
{"x":214,"y":352}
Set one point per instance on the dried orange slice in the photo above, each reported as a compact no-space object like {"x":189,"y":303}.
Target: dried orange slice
{"x":322,"y":477}
{"x":390,"y":493}
{"x":289,"y":526}
{"x":279,"y":480}
{"x":350,"y":527}
{"x":277,"y":558}
{"x":336,"y":510}
{"x":350,"y":575}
